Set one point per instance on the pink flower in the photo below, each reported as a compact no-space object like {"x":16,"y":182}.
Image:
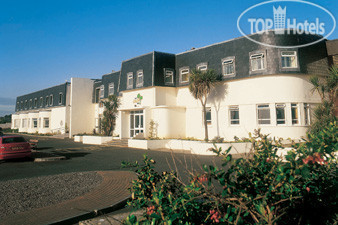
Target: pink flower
{"x":150,"y":210}
{"x":202,"y":179}
{"x":307,"y":189}
{"x":214,"y":216}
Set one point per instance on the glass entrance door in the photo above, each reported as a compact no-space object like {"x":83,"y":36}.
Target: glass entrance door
{"x":136,"y":123}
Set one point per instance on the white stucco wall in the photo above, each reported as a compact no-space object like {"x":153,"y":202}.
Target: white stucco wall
{"x":58,"y":120}
{"x":247,"y":93}
{"x":82,"y":111}
{"x":42,"y":115}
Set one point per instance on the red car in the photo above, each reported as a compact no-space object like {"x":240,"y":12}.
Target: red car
{"x":14,"y":146}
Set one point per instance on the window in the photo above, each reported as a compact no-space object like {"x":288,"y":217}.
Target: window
{"x":97,"y":95}
{"x":139,"y":78}
{"x":294,"y":113}
{"x":22,"y":106}
{"x":34,"y":123}
{"x":169,"y":76}
{"x":60,"y":98}
{"x":208,"y":115}
{"x":46,"y":122}
{"x":51,"y":100}
{"x":17,"y":106}
{"x":263,"y":113}
{"x":102,"y":91}
{"x":289,"y":59}
{"x":234,"y":115}
{"x":41,"y":102}
{"x":257,"y":62}
{"x":280,"y":113}
{"x":184,"y":75}
{"x":46,"y":103}
{"x":202,"y":66}
{"x":40,"y":125}
{"x":111,"y":89}
{"x":30,"y":103}
{"x":24,"y":123}
{"x":129,"y":80}
{"x":17,"y":123}
{"x":228,"y":67}
{"x":35,"y":102}
{"x":307,"y":113}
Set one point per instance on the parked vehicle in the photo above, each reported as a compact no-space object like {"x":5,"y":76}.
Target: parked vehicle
{"x":34,"y":143}
{"x":14,"y":146}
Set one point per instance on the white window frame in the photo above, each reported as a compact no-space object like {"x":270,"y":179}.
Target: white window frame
{"x":228,"y":61}
{"x":16,"y":123}
{"x":231,"y":109}
{"x":263,"y":107}
{"x":41,"y":102}
{"x":307,"y":114}
{"x":35,"y":103}
{"x":169,"y":73}
{"x":279,"y":106}
{"x":34,"y":120}
{"x":26,"y":104}
{"x":30,"y":103}
{"x":184,"y":71}
{"x":101,"y":91}
{"x":44,"y":122}
{"x":51,"y":98}
{"x":260,"y":55}
{"x":286,"y":55}
{"x":22,"y":106}
{"x":111,"y":89}
{"x":202,"y":66}
{"x":129,"y":80}
{"x":60,"y":98}
{"x":139,"y":78}
{"x":295,"y":106}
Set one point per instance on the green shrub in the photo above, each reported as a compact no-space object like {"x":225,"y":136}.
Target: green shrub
{"x":262,"y":189}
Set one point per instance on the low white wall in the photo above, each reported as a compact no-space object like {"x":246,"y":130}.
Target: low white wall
{"x":77,"y":138}
{"x":196,"y":147}
{"x":96,"y":140}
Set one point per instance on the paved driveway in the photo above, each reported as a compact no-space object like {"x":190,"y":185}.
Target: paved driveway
{"x":96,"y":158}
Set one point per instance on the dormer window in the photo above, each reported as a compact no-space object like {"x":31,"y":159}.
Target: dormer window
{"x":168,"y":76}
{"x":51,"y":100}
{"x":289,"y":59}
{"x":129,"y":80}
{"x":202,"y":66}
{"x":228,"y":66}
{"x":184,"y":75}
{"x":102,"y":91}
{"x":60,"y":98}
{"x":111,"y":89}
{"x":139,"y":78}
{"x":257,"y":61}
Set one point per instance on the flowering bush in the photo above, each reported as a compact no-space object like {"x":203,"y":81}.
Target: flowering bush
{"x":261,"y":189}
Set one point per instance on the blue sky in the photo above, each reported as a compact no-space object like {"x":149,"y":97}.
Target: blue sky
{"x":44,"y":43}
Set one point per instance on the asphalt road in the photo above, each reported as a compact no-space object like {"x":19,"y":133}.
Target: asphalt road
{"x":82,"y":157}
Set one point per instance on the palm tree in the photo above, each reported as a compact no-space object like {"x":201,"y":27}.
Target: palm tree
{"x":327,"y":88}
{"x":110,"y":114}
{"x":200,"y":85}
